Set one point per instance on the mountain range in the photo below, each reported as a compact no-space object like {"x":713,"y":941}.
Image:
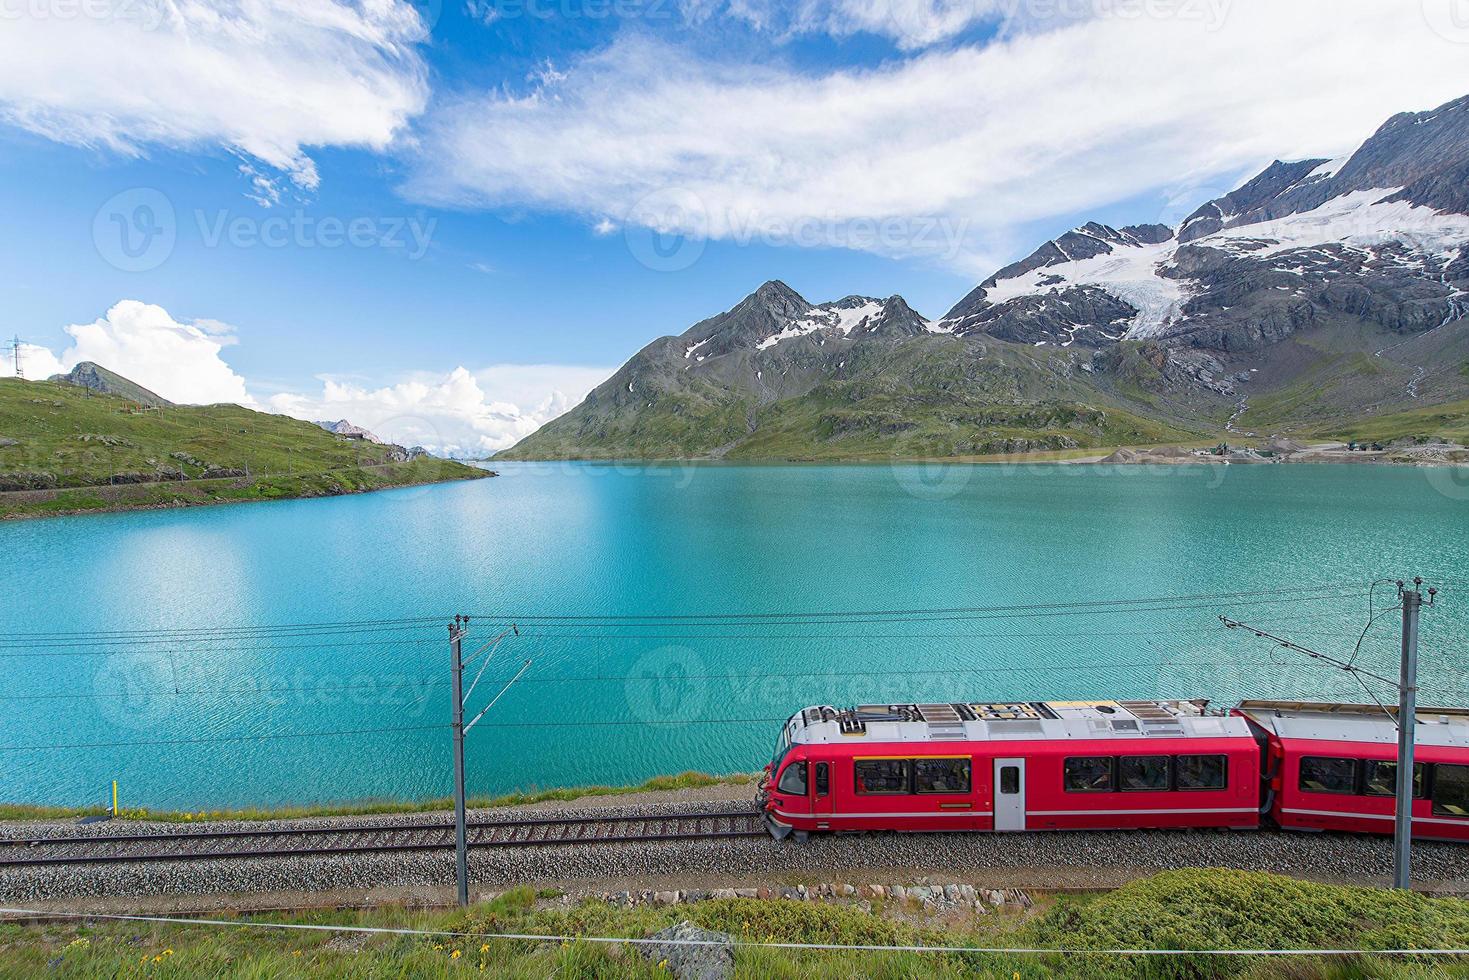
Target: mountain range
{"x":1317,"y":296}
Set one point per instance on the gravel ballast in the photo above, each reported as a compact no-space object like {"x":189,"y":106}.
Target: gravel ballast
{"x":1036,"y":860}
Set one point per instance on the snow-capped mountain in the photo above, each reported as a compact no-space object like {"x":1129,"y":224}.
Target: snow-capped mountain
{"x":1318,"y":292}
{"x":1379,"y":234}
{"x":344,"y":428}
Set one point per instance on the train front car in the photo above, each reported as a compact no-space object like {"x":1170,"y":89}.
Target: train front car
{"x":1011,"y":767}
{"x":1334,"y":767}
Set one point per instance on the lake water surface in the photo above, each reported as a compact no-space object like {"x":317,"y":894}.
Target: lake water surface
{"x":179,"y":723}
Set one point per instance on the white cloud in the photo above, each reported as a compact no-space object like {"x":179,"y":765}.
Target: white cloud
{"x":459,"y":414}
{"x":987,"y":138}
{"x":263,"y":78}
{"x":143,"y":343}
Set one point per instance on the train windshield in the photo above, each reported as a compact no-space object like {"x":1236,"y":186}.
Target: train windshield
{"x":783,"y":744}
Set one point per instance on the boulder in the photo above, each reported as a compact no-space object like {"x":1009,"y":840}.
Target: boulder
{"x":711,"y":959}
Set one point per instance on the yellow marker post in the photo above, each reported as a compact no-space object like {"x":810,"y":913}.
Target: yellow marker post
{"x":114,"y":797}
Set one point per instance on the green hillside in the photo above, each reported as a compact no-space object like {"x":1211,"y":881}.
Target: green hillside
{"x":928,"y":396}
{"x":65,"y":449}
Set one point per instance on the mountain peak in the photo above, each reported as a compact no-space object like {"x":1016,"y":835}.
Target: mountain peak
{"x":95,"y":377}
{"x":775,"y":289}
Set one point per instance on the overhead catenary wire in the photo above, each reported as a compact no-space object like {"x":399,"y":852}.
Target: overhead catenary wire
{"x":1336,"y":590}
{"x":73,"y":648}
{"x":731,"y":942}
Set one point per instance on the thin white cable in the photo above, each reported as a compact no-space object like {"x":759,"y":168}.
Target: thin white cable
{"x":834,"y":947}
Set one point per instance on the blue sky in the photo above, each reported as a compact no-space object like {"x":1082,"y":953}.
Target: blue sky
{"x":449,"y":220}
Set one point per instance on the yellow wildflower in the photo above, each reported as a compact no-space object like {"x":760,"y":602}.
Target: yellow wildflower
{"x":455,"y":955}
{"x":485,"y":948}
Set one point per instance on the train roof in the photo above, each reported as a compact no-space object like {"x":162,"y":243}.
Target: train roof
{"x":1025,"y":720}
{"x":1356,"y":722}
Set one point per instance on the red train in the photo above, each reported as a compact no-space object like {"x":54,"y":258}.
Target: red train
{"x":1112,"y":765}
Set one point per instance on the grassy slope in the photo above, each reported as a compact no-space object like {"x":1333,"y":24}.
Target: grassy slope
{"x":927,"y":397}
{"x":1447,"y":421}
{"x":76,"y":440}
{"x":1190,"y":909}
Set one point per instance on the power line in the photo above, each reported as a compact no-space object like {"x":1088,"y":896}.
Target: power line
{"x":618,"y":637}
{"x":1338,"y":590}
{"x":731,"y":941}
{"x":879,"y":618}
{"x":327,"y":688}
{"x":218,"y":739}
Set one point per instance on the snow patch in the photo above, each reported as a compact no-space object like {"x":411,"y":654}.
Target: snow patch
{"x":842,"y":319}
{"x":1359,"y":219}
{"x":1129,"y":272}
{"x":1328,"y":169}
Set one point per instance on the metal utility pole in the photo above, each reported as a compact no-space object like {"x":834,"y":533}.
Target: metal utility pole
{"x":461,"y":840}
{"x":1402,"y":873}
{"x":16,"y":347}
{"x":457,"y":631}
{"x":1405,"y":719}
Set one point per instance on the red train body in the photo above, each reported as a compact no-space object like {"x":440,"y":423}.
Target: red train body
{"x":1109,"y":765}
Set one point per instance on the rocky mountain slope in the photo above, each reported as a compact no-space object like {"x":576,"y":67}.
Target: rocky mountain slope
{"x":1319,"y":294}
{"x":342,"y":427}
{"x":95,"y":377}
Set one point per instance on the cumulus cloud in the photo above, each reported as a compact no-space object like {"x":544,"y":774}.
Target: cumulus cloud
{"x":263,"y":78}
{"x":987,"y":138}
{"x":142,"y":342}
{"x":462,"y":413}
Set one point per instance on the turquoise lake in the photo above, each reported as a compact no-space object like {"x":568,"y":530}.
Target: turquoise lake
{"x":617,"y":704}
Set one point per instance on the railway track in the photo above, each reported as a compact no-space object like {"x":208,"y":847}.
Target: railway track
{"x":195,"y":845}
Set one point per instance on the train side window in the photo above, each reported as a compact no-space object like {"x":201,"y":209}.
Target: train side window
{"x":1323,"y":774}
{"x":941,"y":775}
{"x":793,"y":779}
{"x":1089,"y":774}
{"x":1201,"y":772}
{"x":1009,"y":780}
{"x":1381,"y":779}
{"x":1142,"y":773}
{"x":876,"y":777}
{"x":1451,"y":790}
{"x":823,"y":778}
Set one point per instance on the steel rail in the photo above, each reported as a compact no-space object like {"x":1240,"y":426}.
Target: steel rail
{"x":382,"y":838}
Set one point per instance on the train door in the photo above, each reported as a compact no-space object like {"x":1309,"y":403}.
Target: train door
{"x":1009,"y":794}
{"x":821,"y":791}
